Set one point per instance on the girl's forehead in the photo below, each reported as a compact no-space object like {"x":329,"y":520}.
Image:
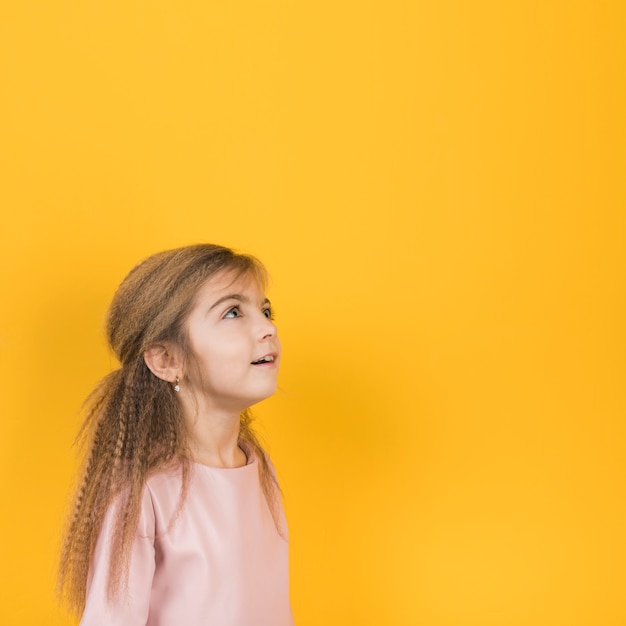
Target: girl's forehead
{"x":230,"y":282}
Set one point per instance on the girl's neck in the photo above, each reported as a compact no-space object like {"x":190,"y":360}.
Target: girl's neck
{"x":213,"y":430}
{"x":214,"y":438}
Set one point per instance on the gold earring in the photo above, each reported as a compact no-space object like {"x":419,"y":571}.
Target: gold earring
{"x":177,"y":385}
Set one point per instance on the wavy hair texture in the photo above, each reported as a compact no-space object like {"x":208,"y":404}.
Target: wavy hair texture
{"x":133,"y":423}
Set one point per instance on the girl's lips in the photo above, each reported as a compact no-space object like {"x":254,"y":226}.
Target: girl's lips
{"x":268,"y":360}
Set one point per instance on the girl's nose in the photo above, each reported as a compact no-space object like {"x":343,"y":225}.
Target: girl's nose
{"x":267,"y":329}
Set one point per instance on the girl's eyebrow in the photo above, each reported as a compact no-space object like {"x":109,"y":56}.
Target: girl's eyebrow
{"x":238,"y":297}
{"x":232,"y":296}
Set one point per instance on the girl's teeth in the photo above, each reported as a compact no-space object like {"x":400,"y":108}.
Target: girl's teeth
{"x":265,"y":359}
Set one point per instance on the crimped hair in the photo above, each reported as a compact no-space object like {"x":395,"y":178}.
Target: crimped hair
{"x":133,"y":422}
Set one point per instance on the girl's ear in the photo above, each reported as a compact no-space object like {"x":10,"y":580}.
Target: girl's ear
{"x":163,"y":361}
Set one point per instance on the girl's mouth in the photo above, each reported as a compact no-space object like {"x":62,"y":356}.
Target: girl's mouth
{"x":268,"y":358}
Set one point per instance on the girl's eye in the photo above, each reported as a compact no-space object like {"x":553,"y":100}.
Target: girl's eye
{"x":268,"y":313}
{"x":232,"y":312}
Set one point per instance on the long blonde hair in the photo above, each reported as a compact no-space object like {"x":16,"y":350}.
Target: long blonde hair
{"x":133,"y":422}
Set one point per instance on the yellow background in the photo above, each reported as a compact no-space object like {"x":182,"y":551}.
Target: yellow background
{"x":438,"y":190}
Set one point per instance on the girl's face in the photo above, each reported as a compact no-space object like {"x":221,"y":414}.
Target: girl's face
{"x":234,"y":342}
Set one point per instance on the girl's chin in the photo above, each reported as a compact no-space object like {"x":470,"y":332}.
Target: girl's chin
{"x":262,"y":396}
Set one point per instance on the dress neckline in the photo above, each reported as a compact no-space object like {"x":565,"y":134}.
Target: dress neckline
{"x":244,"y":447}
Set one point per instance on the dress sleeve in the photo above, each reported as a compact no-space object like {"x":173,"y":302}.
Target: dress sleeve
{"x":132,"y":606}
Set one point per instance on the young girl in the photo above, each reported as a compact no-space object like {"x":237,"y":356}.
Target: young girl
{"x":178,"y":518}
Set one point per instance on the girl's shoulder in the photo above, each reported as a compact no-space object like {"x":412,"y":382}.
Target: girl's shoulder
{"x":165,"y":480}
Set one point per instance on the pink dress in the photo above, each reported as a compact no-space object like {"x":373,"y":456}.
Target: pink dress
{"x":222,"y":562}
